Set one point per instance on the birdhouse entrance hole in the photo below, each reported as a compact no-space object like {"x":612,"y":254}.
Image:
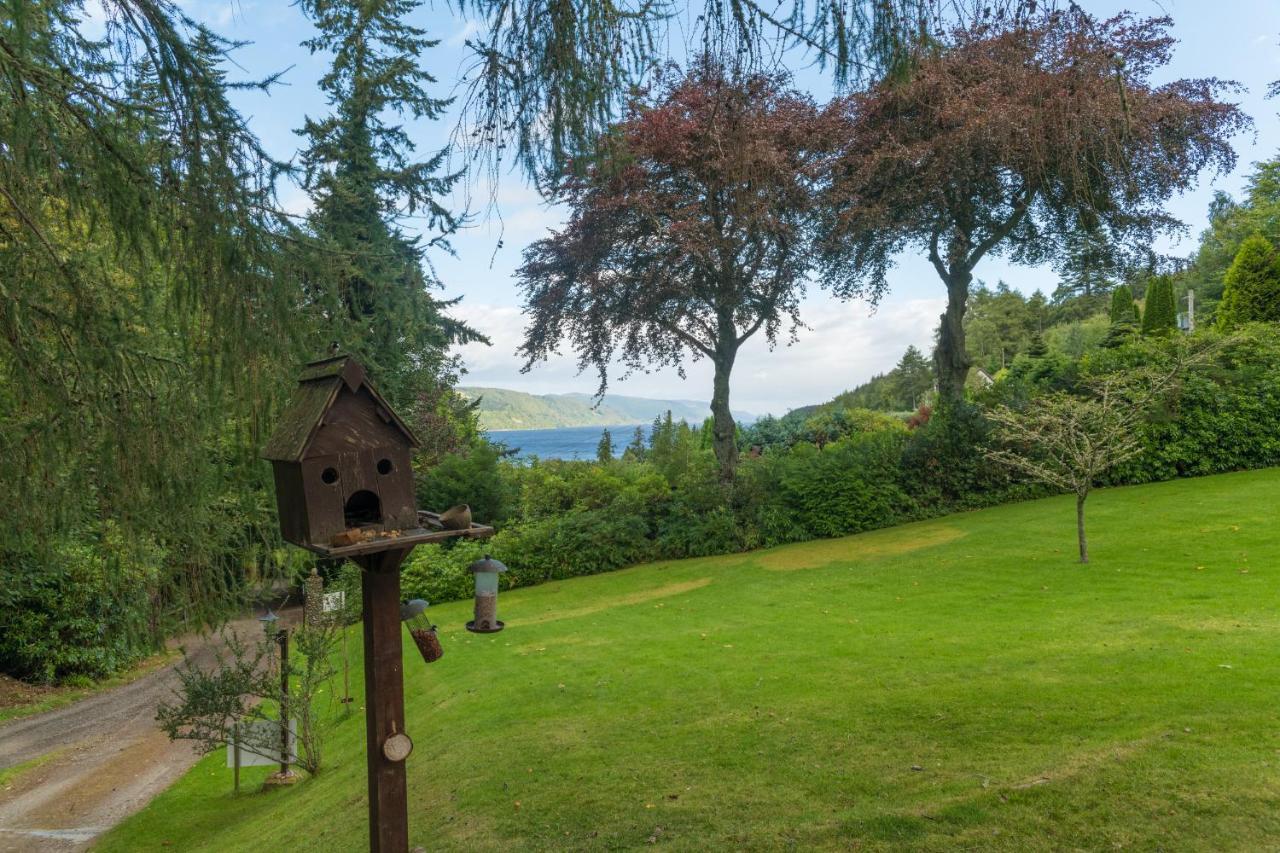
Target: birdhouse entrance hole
{"x":363,"y":507}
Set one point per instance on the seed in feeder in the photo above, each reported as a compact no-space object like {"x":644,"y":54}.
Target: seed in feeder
{"x":428,"y":643}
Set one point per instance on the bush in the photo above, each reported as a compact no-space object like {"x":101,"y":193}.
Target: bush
{"x":846,"y":487}
{"x":474,"y":478}
{"x":570,"y":518}
{"x":80,"y":611}
{"x":1251,"y":286}
{"x":438,"y":573}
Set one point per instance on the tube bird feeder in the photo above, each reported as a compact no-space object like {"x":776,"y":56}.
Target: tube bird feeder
{"x":486,"y":572}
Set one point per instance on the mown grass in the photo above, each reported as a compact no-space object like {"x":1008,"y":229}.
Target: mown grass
{"x":958,"y":683}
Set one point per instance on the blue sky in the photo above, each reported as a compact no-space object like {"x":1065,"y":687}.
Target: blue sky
{"x":845,"y":343}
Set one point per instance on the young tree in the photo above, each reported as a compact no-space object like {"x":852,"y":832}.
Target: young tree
{"x":1251,"y":287}
{"x":368,"y":280}
{"x":1160,"y":314}
{"x":1124,"y":308}
{"x":1006,"y":138}
{"x":1067,"y":441}
{"x":604,"y":450}
{"x":912,"y":378}
{"x":693,"y":232}
{"x":243,"y":688}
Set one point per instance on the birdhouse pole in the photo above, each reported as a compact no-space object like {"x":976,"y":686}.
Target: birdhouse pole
{"x":342,"y":462}
{"x":384,"y":699}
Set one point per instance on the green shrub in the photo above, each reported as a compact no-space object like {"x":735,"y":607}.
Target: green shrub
{"x":80,"y":610}
{"x":1251,"y":286}
{"x":845,"y":487}
{"x":1160,"y":315}
{"x":438,"y":573}
{"x":475,"y":478}
{"x":1123,"y":307}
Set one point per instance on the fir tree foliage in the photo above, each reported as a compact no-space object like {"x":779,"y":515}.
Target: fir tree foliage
{"x":368,"y":280}
{"x":1124,"y":308}
{"x":1251,"y":286}
{"x":604,"y":450}
{"x":143,"y":331}
{"x":1160,"y":314}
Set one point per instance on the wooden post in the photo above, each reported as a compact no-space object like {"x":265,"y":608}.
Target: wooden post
{"x":283,"y":639}
{"x":384,"y":699}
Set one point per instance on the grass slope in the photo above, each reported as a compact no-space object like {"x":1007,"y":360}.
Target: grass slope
{"x":959,"y":683}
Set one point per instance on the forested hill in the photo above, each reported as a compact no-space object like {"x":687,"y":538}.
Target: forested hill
{"x":501,"y":408}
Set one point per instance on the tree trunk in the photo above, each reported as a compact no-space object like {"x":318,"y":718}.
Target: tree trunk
{"x":724,"y":432}
{"x":1084,"y":544}
{"x":951,"y":356}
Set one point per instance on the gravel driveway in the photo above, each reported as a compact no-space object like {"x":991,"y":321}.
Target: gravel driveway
{"x":109,"y":760}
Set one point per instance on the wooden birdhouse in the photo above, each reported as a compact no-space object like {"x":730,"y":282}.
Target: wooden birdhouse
{"x":341,"y":458}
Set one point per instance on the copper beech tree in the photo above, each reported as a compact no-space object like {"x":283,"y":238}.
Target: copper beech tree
{"x":693,"y":232}
{"x":1007,"y":138}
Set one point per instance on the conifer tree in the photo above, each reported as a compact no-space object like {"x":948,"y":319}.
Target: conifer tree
{"x":1251,"y":287}
{"x":635,"y":451}
{"x":1160,"y":315}
{"x":604,"y":450}
{"x":912,"y":379}
{"x":1123,"y":315}
{"x":1123,"y":307}
{"x":369,"y":281}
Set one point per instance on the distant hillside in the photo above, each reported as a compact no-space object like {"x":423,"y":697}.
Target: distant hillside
{"x":501,"y":408}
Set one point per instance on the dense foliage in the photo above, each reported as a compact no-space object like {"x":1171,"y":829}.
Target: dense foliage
{"x":565,"y":518}
{"x":1013,"y":140}
{"x":1251,"y":285}
{"x":158,"y":305}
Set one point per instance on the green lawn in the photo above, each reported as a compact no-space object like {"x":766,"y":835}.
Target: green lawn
{"x":958,"y":683}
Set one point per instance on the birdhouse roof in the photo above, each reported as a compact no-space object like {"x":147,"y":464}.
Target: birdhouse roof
{"x":319,"y":385}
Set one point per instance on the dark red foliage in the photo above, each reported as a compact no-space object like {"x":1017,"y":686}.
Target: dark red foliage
{"x":1012,"y":136}
{"x":920,"y":417}
{"x":694,"y":231}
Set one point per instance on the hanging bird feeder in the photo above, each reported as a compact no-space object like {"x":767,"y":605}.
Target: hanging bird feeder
{"x":486,"y":572}
{"x":414,"y":614}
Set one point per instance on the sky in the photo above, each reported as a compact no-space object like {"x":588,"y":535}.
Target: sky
{"x":845,"y":343}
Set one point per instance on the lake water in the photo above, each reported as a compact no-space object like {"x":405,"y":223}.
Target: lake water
{"x":564,"y":442}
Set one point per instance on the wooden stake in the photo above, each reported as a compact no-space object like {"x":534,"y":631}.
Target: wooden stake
{"x":235,"y":744}
{"x":283,"y":639}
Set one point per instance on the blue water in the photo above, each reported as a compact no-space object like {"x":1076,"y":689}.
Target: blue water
{"x":564,"y":442}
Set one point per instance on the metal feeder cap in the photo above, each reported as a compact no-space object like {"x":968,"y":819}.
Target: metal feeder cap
{"x":488,"y":564}
{"x":410,"y":609}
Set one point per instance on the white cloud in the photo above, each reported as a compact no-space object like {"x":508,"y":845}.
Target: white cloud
{"x":469,"y":29}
